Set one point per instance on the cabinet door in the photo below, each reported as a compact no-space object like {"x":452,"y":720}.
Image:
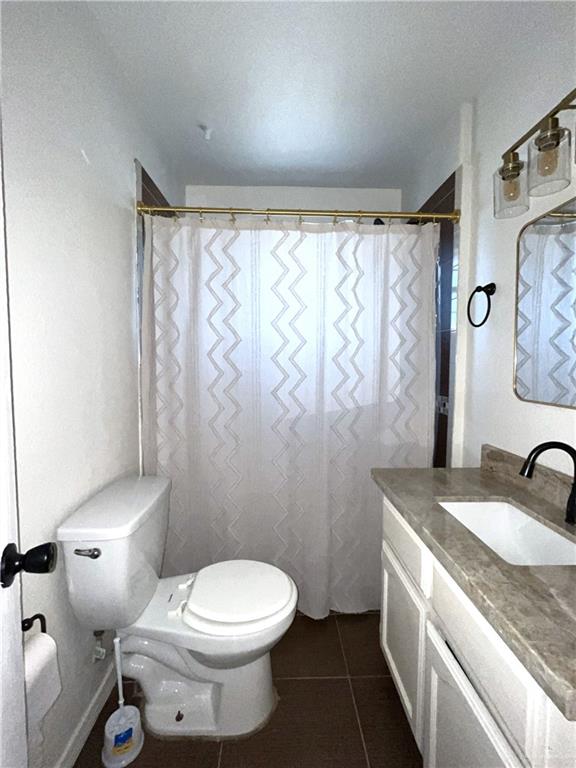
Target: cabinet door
{"x":402,"y":637}
{"x":459,"y":730}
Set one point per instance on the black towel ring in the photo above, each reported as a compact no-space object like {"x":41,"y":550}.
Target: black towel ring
{"x":489,"y":290}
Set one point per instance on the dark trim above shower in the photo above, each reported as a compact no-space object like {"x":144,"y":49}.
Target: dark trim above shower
{"x":443,"y":200}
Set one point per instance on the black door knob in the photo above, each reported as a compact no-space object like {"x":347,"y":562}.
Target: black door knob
{"x":40,"y":559}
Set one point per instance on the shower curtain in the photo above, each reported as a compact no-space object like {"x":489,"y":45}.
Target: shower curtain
{"x":280,"y":362}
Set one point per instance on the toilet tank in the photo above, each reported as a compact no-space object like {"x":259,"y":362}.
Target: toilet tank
{"x":125,"y":526}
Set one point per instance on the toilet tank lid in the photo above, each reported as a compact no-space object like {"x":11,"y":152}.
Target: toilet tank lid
{"x":116,"y":511}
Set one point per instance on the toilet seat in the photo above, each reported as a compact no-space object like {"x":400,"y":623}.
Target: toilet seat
{"x":237,"y":597}
{"x":163,"y":619}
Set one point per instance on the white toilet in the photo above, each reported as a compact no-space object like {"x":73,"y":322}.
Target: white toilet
{"x":199,"y":643}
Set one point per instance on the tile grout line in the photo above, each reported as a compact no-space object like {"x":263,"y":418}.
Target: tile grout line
{"x":332,"y":677}
{"x":351,"y":687}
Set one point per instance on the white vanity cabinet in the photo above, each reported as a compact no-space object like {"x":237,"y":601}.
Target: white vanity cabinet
{"x":469,"y":700}
{"x":459,"y":730}
{"x":403,"y":625}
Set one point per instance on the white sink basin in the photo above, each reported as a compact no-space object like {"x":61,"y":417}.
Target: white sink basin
{"x":512,"y":534}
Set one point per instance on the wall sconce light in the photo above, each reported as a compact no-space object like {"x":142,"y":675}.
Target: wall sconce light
{"x":510,"y":187}
{"x":549,"y":164}
{"x":549,"y":160}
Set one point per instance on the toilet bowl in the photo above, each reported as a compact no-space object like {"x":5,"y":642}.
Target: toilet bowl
{"x":215,"y":681}
{"x":198,"y":644}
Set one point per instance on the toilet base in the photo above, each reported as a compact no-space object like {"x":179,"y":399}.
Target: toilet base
{"x":184,"y":698}
{"x":193,"y":736}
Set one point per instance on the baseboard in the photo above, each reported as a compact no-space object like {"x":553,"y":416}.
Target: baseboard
{"x":82,"y":730}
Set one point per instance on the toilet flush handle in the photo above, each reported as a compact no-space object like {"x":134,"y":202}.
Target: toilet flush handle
{"x":93,"y":553}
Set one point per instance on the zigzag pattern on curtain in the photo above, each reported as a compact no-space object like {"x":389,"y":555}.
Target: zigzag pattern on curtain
{"x":284,"y":362}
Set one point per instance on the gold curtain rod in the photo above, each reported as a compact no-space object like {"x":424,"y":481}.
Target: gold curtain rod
{"x":419,"y":215}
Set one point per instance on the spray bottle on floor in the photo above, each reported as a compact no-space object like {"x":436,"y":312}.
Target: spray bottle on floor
{"x":123,"y":737}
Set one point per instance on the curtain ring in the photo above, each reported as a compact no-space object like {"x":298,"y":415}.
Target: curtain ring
{"x":201,"y":213}
{"x":267,"y":215}
{"x":299,"y":218}
{"x":335,"y":220}
{"x":232,"y":216}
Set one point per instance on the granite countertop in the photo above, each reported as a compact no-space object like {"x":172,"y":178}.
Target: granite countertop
{"x":533,"y":608}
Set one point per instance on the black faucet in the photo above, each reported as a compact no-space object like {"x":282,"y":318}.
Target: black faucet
{"x":528,"y":470}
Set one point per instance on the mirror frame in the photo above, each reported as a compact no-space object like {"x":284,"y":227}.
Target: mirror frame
{"x":558,"y":208}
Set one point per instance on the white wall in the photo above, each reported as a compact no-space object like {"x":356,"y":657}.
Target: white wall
{"x":435,"y":157}
{"x":506,"y":108}
{"x":295,"y":197}
{"x":493,"y":413}
{"x":71,"y":136}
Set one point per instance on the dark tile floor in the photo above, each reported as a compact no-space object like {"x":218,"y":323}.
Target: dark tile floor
{"x":338,"y":708}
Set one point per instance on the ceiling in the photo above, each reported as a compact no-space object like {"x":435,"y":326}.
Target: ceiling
{"x":311,"y":93}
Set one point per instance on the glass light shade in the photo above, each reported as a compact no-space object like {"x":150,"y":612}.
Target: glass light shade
{"x":510,"y":195}
{"x":549,"y":161}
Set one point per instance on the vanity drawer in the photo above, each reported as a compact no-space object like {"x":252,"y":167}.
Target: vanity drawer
{"x":459,"y":730}
{"x":508,"y":690}
{"x":407,"y":546}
